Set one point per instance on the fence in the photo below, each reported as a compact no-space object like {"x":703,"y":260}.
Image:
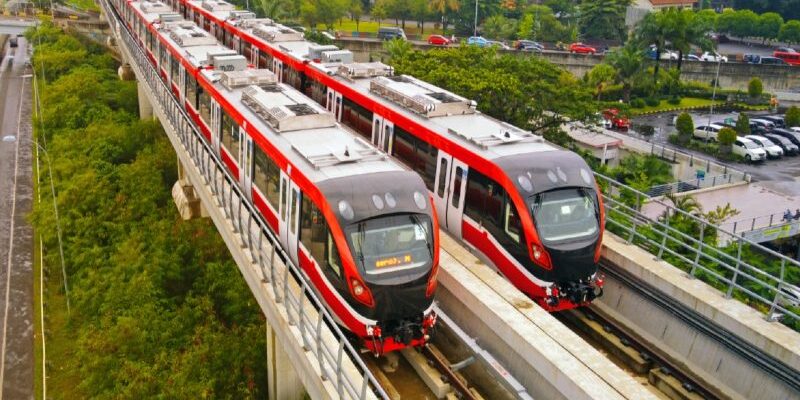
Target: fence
{"x":303,"y":308}
{"x":730,"y":269}
{"x":764,"y":221}
{"x":693,"y":184}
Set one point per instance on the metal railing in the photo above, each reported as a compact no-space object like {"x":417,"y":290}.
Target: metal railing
{"x":728,"y":268}
{"x":692,"y":184}
{"x":764,"y":221}
{"x":288,"y":287}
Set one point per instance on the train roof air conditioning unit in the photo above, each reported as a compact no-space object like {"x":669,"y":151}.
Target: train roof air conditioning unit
{"x":337,"y":56}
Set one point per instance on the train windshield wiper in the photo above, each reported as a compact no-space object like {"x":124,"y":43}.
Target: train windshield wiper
{"x":415,"y":219}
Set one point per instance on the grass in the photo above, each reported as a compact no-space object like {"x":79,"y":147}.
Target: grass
{"x":686,"y":102}
{"x":86,"y":5}
{"x":369,"y":26}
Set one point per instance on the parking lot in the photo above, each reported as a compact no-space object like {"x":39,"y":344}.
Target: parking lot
{"x":786,"y":169}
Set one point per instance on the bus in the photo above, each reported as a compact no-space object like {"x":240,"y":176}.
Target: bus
{"x":788,"y":57}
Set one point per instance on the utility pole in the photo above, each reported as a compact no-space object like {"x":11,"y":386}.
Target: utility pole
{"x":475,"y":32}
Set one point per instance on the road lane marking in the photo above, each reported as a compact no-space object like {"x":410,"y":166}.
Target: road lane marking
{"x":11,"y":245}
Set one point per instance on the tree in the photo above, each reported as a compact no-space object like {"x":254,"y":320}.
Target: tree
{"x":743,"y":125}
{"x":685,"y":127}
{"x":686,"y":29}
{"x":790,"y":32}
{"x":792,"y":117}
{"x":356,"y":11}
{"x":400,"y":10}
{"x":603,"y":19}
{"x":419,"y":10}
{"x":755,"y":87}
{"x":627,"y":61}
{"x":600,"y":76}
{"x":277,"y":9}
{"x":790,"y":9}
{"x":500,"y":27}
{"x":726,"y":137}
{"x":379,"y":12}
{"x":740,"y":23}
{"x":442,"y":7}
{"x":539,"y":23}
{"x":464,"y":17}
{"x":653,"y":30}
{"x":769,"y":26}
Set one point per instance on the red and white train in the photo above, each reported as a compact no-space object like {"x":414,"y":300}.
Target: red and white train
{"x":531,"y":209}
{"x":360,"y":225}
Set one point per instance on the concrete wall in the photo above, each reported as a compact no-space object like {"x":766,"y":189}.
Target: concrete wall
{"x":731,"y":75}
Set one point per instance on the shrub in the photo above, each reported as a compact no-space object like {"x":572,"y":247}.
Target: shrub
{"x":637,"y":103}
{"x":652,"y":101}
{"x":646,"y":130}
{"x":726,"y":137}
{"x":673,"y":138}
{"x":743,"y":125}
{"x":793,"y":116}
{"x":685,"y":127}
{"x":755,"y":88}
{"x":675,"y":100}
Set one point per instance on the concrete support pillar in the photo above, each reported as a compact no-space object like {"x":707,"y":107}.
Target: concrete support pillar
{"x":145,"y":108}
{"x":187,"y":201}
{"x":283,"y":381}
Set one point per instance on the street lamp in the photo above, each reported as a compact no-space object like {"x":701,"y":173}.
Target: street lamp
{"x":714,"y":91}
{"x":475,"y":31}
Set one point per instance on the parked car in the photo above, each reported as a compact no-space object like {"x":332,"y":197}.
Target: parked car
{"x":612,"y":119}
{"x":581,"y":48}
{"x":794,"y":129}
{"x":328,"y":35}
{"x":763,"y":124}
{"x":666,"y":54}
{"x":691,"y":57}
{"x":748,"y":149}
{"x":789,"y":148}
{"x":775,"y":119}
{"x":480,"y":41}
{"x":707,"y":132}
{"x":438,"y":40}
{"x":529,"y":45}
{"x":713,"y":57}
{"x":786,"y":50}
{"x":391,"y":32}
{"x":773,"y":150}
{"x":790,"y":135}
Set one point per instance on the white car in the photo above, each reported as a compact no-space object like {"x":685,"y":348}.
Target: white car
{"x":669,"y":55}
{"x":772,"y":149}
{"x":714,"y":57}
{"x":707,"y":132}
{"x":795,"y":129}
{"x":748,"y":149}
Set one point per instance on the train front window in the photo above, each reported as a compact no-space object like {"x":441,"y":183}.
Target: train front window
{"x":565,"y":214}
{"x":393,"y":243}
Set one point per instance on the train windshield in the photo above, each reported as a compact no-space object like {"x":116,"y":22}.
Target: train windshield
{"x":565,"y":214}
{"x":392,"y":243}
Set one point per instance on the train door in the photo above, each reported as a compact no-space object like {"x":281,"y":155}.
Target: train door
{"x":245,"y":162}
{"x":289,"y":214}
{"x":215,"y":126}
{"x":237,"y":44}
{"x":449,"y":189}
{"x":334,"y":103}
{"x":182,"y":83}
{"x":254,"y":56}
{"x":277,"y":68}
{"x":382,"y":133}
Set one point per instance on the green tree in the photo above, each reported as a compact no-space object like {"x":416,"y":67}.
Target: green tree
{"x":740,"y":23}
{"x":500,"y":27}
{"x":603,"y":19}
{"x":686,"y":29}
{"x":743,"y":125}
{"x":726,"y":137}
{"x":653,"y":30}
{"x":356,"y":11}
{"x":400,"y":10}
{"x":419,"y":10}
{"x":379,"y":11}
{"x":443,"y":7}
{"x":539,"y":23}
{"x":792,"y":117}
{"x":769,"y":26}
{"x":277,"y":9}
{"x":685,"y":127}
{"x":790,"y":32}
{"x":600,"y":76}
{"x":627,"y":61}
{"x":755,"y":87}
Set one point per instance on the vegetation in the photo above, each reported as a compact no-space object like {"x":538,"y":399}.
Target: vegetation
{"x":793,"y":116}
{"x":743,"y":125}
{"x":604,"y":19}
{"x":726,"y":137}
{"x":685,"y":127}
{"x":755,"y":87}
{"x":525,"y":91}
{"x":158,"y":309}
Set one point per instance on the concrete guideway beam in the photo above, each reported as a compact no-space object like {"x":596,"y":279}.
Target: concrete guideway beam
{"x":295,"y":350}
{"x":548,"y":359}
{"x":722,"y":367}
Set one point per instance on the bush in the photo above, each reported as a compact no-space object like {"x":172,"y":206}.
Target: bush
{"x":726,"y":137}
{"x":637,"y":103}
{"x":743,"y":125}
{"x":646,"y":130}
{"x":793,"y":116}
{"x":675,"y":100}
{"x":652,"y":101}
{"x":685,"y":127}
{"x":755,"y":88}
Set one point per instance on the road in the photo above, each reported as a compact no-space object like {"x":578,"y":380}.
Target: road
{"x":16,"y":234}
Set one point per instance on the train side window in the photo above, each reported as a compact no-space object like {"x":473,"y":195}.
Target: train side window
{"x":512,"y":222}
{"x":285,"y":195}
{"x":357,"y":117}
{"x":316,"y":237}
{"x":205,"y":106}
{"x":191,"y":90}
{"x":403,"y":146}
{"x":230,"y":135}
{"x":294,"y":211}
{"x":442,"y":177}
{"x":457,"y":186}
{"x":174,"y":70}
{"x":476,"y":196}
{"x":333,"y":256}
{"x":427,"y":163}
{"x":266,"y":176}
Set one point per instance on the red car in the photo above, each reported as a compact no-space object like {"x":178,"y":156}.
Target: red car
{"x":612,"y":119}
{"x":438,"y":40}
{"x":581,"y":48}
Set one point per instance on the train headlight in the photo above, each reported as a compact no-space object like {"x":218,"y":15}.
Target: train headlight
{"x":358,"y":290}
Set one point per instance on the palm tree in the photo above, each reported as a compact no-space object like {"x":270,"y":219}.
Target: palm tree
{"x":627,"y":61}
{"x":653,"y":30}
{"x":441,"y":7}
{"x":685,"y":29}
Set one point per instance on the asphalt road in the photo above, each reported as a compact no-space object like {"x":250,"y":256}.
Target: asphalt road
{"x":16,"y":235}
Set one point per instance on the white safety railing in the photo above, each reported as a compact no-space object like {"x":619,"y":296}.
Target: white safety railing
{"x":693,"y":184}
{"x":766,"y":286}
{"x":289,"y":288}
